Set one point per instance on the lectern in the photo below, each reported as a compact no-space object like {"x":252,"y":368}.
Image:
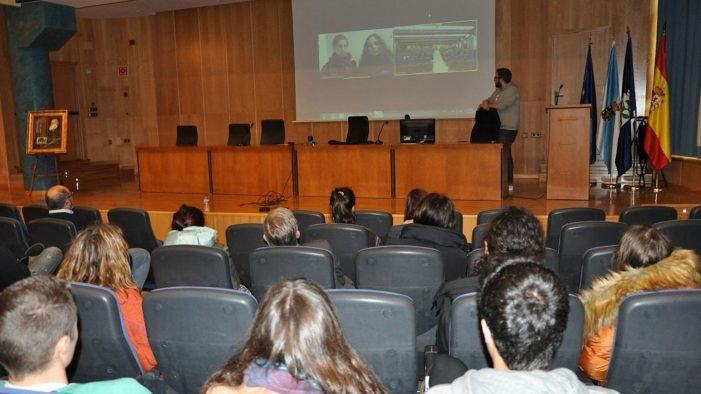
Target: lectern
{"x":568,"y":152}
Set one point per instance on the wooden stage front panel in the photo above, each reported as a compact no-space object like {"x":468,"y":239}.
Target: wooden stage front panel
{"x":251,"y":170}
{"x":173,"y":169}
{"x":462,"y":171}
{"x":364,"y":168}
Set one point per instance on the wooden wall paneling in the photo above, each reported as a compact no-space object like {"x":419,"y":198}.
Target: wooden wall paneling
{"x":239,"y":55}
{"x":251,"y":170}
{"x":188,"y":55}
{"x":325,"y":131}
{"x":453,"y":130}
{"x":166,"y":77}
{"x":267,"y":62}
{"x":9,"y":151}
{"x":390,"y":133}
{"x":295,"y":132}
{"x":174,"y":169}
{"x":212,"y":21}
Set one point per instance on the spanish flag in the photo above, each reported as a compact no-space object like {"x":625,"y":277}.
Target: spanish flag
{"x":657,"y":136}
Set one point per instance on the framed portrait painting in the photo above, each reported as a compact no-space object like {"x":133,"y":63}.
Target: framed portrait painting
{"x":47,"y":132}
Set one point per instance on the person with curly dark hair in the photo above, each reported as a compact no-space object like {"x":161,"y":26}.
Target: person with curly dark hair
{"x":376,"y":58}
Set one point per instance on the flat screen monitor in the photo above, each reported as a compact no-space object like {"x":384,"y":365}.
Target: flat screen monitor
{"x":417,"y":131}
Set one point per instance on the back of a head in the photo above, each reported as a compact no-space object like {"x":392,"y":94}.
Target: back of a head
{"x":342,"y":202}
{"x":296,"y":324}
{"x":505,"y":74}
{"x":640,"y":246}
{"x":435,"y":210}
{"x":34,"y":314}
{"x":99,"y":255}
{"x":187,"y":216}
{"x":525,"y":306}
{"x":517,"y":232}
{"x":413,"y":199}
{"x":56,"y":197}
{"x":280,"y":228}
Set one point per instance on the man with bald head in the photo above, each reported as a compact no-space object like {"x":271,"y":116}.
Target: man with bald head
{"x":60,"y":202}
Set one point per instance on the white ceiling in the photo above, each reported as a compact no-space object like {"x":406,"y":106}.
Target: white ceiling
{"x":128,"y":8}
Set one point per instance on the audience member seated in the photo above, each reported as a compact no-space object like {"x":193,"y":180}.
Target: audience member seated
{"x":433,"y":228}
{"x":60,"y":202}
{"x":295,"y":345}
{"x":280,"y":229}
{"x":99,"y":256}
{"x":413,"y":199}
{"x":523,"y":310}
{"x":643,"y":263}
{"x":342,"y":204}
{"x":38,"y":336}
{"x":187,"y":228}
{"x":514,"y":232}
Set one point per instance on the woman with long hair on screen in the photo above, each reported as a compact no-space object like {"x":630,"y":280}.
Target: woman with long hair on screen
{"x":376,"y":58}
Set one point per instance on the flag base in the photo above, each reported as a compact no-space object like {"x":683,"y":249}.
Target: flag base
{"x":609,"y":185}
{"x":633,"y":188}
{"x":657,"y":189}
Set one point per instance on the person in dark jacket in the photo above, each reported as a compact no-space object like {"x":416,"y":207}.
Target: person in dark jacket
{"x":433,"y":228}
{"x":60,"y":202}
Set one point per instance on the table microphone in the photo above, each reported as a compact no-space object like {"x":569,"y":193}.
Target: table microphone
{"x":380,"y":133}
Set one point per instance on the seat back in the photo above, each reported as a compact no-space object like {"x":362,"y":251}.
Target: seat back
{"x":466,"y":341}
{"x":682,"y":233}
{"x":576,"y":239}
{"x":550,"y":260}
{"x":307,"y":218}
{"x":104,"y":351}
{"x":358,"y":130}
{"x":136,"y":227}
{"x":557,"y":218}
{"x":10,"y":211}
{"x":379,"y":222}
{"x":34,"y":211}
{"x":486,"y":217}
{"x":647,"y":215}
{"x":345,"y":239}
{"x":12,"y":236}
{"x":272,"y":132}
{"x":87,"y":215}
{"x":269,"y":265}
{"x":242,"y":239}
{"x":656,"y":349}
{"x":458,"y":222}
{"x":479,"y":234}
{"x":52,"y":232}
{"x":596,"y":264}
{"x":239,"y":134}
{"x":191,"y":265}
{"x":193,"y":331}
{"x":695,"y":213}
{"x":187,"y":136}
{"x":380,"y":327}
{"x":472,"y":258}
{"x":413,"y":271}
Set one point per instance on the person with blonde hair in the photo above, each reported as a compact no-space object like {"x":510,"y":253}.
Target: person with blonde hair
{"x":99,"y":256}
{"x":295,"y":344}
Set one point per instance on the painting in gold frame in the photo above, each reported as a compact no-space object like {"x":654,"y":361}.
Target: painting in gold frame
{"x":47,"y":132}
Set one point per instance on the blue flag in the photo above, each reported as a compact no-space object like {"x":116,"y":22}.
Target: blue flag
{"x":624,"y":153}
{"x":610,"y":113}
{"x":589,"y":97}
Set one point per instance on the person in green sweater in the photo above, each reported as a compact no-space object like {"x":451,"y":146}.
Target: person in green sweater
{"x":38,"y":336}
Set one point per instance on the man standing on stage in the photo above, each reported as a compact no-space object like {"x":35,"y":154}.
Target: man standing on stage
{"x":506,"y":99}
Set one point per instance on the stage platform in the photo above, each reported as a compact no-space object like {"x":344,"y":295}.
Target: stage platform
{"x":230,"y":209}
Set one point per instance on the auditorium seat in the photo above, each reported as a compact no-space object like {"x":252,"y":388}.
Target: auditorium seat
{"x":695,"y":213}
{"x":479,"y":234}
{"x":576,"y":238}
{"x":239,"y":134}
{"x":187,"y":136}
{"x":485,"y":217}
{"x":597,"y":263}
{"x":465,"y":335}
{"x":242,"y":239}
{"x":557,"y":218}
{"x":104,"y":351}
{"x":682,"y":233}
{"x":380,"y":327}
{"x":345,"y":239}
{"x":194,"y":331}
{"x":87,"y":215}
{"x":12,"y":236}
{"x":379,"y":222}
{"x":52,"y":232}
{"x":458,"y":222}
{"x":271,"y":264}
{"x":136,"y":227}
{"x":307,"y":218}
{"x":34,"y":211}
{"x":10,"y":211}
{"x":413,"y":271}
{"x":272,"y":132}
{"x":647,"y":215}
{"x":190,"y":265}
{"x":656,"y":348}
{"x":472,"y":258}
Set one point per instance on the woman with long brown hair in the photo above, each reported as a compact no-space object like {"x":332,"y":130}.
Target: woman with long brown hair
{"x":295,"y":344}
{"x":99,"y":256}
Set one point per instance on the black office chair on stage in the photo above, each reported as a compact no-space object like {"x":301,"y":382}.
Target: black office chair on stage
{"x":358,"y":131}
{"x":272,"y":132}
{"x":187,"y":136}
{"x":239,"y":134}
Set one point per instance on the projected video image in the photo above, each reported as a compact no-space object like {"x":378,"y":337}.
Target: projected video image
{"x":418,"y":49}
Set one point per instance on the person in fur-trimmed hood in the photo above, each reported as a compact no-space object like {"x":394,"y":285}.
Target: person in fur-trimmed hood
{"x":680,"y":270}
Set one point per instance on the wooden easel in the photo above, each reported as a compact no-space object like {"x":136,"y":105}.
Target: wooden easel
{"x":46,"y":173}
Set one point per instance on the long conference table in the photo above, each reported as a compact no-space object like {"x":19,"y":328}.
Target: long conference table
{"x":463,"y":171}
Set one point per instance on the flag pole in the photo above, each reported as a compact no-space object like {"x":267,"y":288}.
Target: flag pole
{"x":657,"y":187}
